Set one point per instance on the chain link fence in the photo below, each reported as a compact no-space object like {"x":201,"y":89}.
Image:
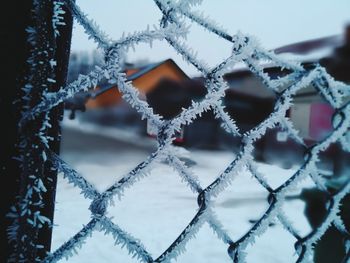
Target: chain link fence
{"x":245,"y":49}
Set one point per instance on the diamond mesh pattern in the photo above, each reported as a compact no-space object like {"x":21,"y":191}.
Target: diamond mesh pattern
{"x":244,"y":49}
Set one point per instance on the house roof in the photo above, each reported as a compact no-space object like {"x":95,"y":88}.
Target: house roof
{"x":139,"y":73}
{"x":246,"y":83}
{"x":237,"y":80}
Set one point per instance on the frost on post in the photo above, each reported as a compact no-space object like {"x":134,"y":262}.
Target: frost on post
{"x":30,"y":222}
{"x":246,"y":49}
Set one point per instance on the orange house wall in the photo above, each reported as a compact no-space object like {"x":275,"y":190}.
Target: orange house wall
{"x":106,"y":99}
{"x":144,"y":84}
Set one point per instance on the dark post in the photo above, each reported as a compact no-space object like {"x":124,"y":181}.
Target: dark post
{"x":20,"y":160}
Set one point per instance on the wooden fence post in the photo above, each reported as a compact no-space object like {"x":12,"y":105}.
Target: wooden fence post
{"x":16,"y":52}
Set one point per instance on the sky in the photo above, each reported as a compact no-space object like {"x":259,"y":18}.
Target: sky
{"x":274,"y":22}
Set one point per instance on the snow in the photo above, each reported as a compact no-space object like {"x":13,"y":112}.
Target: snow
{"x":158,"y":207}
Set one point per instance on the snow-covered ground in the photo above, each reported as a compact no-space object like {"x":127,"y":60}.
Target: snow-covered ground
{"x":158,"y":207}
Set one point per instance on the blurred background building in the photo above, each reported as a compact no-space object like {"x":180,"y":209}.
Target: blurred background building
{"x":168,"y":89}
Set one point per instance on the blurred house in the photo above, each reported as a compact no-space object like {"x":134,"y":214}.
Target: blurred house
{"x":248,"y":101}
{"x":144,"y":79}
{"x":104,"y":104}
{"x":311,"y":115}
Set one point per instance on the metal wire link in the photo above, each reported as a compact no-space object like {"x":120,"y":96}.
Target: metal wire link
{"x":244,"y":49}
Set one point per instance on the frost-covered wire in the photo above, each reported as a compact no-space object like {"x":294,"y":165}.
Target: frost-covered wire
{"x":246,"y":49}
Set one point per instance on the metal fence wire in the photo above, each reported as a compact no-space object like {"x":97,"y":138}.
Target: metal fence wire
{"x":173,"y":29}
